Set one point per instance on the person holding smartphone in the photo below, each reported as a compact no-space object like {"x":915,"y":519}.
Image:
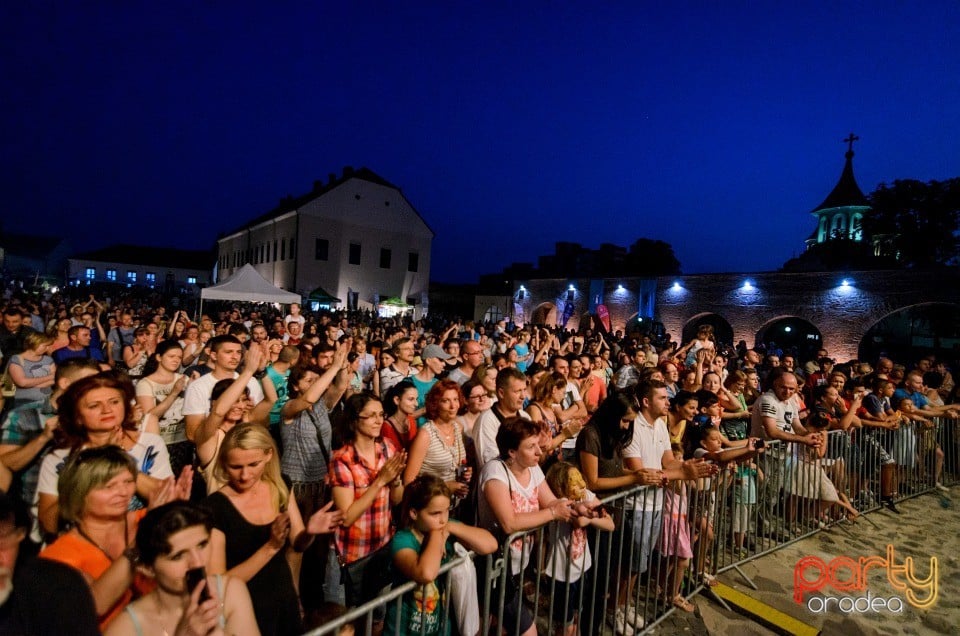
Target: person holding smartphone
{"x":173,"y":549}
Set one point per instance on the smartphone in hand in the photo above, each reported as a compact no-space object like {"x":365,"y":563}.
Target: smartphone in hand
{"x":194,"y":578}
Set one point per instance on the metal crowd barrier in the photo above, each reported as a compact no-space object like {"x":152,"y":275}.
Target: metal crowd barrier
{"x":738,"y":515}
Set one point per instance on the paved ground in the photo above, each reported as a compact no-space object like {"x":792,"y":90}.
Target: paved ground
{"x":923,"y":530}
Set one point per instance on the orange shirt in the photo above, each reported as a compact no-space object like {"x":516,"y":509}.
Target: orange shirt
{"x":77,"y":552}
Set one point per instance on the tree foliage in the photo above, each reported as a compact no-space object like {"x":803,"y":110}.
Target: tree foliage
{"x":652,"y":257}
{"x":919,"y":221}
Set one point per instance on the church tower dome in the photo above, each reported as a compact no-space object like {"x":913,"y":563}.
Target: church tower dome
{"x":840,"y":216}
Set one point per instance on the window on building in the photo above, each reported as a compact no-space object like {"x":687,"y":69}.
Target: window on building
{"x":354,"y":254}
{"x":321,"y":249}
{"x":274,"y":249}
{"x":112,"y":274}
{"x":91,"y":273}
{"x":385,"y":258}
{"x":293,"y":248}
{"x":413,"y":262}
{"x":131,"y":276}
{"x":191,"y":280}
{"x":283,"y":249}
{"x":151,"y":278}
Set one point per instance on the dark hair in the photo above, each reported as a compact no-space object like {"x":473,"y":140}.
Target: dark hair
{"x":418,"y":493}
{"x":71,"y":433}
{"x":159,"y":524}
{"x":153,"y":363}
{"x":512,"y":431}
{"x":682,"y":397}
{"x":645,"y":390}
{"x":606,"y":419}
{"x":296,"y":374}
{"x":706,"y":399}
{"x":395,"y":392}
{"x":352,"y":408}
{"x":69,"y":367}
{"x":431,"y":402}
{"x":506,"y":374}
{"x":933,"y":380}
{"x":13,"y":511}
{"x":218,"y":341}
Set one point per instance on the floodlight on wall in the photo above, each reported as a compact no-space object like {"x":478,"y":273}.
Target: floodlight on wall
{"x":676,"y":286}
{"x":788,"y":328}
{"x":522,"y":288}
{"x":747,"y":285}
{"x":845,"y":283}
{"x":572,"y":288}
{"x":620,"y":289}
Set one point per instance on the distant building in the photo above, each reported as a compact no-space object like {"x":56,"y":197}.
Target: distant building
{"x":853,"y":311}
{"x":356,"y":239}
{"x":164,"y":269}
{"x":28,"y":257}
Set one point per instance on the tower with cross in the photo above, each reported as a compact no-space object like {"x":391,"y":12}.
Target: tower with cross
{"x":840,"y":215}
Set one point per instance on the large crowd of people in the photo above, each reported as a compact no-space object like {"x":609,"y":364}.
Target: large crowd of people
{"x":257,"y":470}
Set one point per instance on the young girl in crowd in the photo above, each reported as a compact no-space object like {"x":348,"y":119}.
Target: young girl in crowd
{"x":419,"y":549}
{"x":747,"y":476}
{"x":569,"y":553}
{"x":674,"y":542}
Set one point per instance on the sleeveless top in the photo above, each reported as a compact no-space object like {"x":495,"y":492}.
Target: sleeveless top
{"x":441,"y":460}
{"x":221,"y":621}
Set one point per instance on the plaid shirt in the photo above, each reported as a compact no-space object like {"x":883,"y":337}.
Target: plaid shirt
{"x":371,"y":531}
{"x":20,"y":427}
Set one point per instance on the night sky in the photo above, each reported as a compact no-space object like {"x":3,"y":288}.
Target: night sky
{"x":508,"y":127}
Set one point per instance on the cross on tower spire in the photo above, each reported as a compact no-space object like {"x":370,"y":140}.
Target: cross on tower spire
{"x":849,"y":140}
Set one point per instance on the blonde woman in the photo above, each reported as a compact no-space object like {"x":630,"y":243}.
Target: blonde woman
{"x":254,"y":520}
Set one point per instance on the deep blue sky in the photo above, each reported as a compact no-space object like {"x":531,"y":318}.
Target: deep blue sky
{"x":509,"y":128}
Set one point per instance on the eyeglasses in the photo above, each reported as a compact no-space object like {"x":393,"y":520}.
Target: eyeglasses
{"x":478,"y":397}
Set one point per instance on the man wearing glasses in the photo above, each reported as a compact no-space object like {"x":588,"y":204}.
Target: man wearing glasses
{"x":472,"y":354}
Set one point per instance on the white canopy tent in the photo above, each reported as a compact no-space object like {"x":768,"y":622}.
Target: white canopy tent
{"x":248,"y":285}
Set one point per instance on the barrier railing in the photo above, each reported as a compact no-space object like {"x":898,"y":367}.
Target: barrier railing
{"x":555,"y":581}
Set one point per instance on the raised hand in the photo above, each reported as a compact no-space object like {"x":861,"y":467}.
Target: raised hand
{"x":325,"y":520}
{"x":199,"y":619}
{"x":392,"y":468}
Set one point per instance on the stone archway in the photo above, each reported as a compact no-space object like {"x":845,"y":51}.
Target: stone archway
{"x":544,"y":314}
{"x":722,"y":331}
{"x":913,"y":331}
{"x":791,"y":334}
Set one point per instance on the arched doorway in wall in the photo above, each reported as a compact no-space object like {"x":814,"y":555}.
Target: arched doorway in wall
{"x":722,"y":331}
{"x":544,"y":314}
{"x":912,"y":332}
{"x":790,"y":334}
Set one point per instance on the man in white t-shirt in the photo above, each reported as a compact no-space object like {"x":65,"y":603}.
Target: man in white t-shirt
{"x":511,"y":385}
{"x":226,"y":352}
{"x":650,"y":450}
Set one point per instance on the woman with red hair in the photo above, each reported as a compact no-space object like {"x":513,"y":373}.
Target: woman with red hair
{"x":439,"y":448}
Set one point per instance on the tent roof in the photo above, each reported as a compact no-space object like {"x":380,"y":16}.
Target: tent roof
{"x":320,"y":294}
{"x":248,"y":285}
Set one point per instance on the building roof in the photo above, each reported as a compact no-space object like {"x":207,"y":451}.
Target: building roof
{"x":29,"y":245}
{"x":290,"y":203}
{"x":151,"y":256}
{"x":846,"y":192}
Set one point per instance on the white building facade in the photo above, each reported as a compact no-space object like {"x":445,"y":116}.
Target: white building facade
{"x":162,"y":269}
{"x":357,"y":238}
